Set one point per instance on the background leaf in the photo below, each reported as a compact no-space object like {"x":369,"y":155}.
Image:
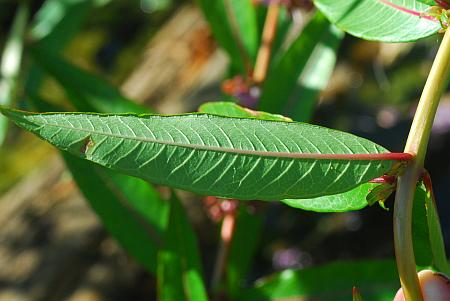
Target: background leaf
{"x":297,"y":77}
{"x":429,"y":248}
{"x":11,"y":62}
{"x":86,"y":91}
{"x":376,"y":280}
{"x":179,"y":267}
{"x":230,"y":109}
{"x":214,"y":155}
{"x":354,"y":199}
{"x":380,"y":20}
{"x":124,"y":204}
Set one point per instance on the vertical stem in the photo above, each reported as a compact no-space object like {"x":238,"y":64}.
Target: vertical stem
{"x":417,"y":145}
{"x":268,"y":35}
{"x":226,"y":235}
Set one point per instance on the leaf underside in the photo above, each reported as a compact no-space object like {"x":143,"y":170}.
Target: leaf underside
{"x":380,"y":20}
{"x":227,"y":157}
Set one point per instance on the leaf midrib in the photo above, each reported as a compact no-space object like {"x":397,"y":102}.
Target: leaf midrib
{"x":270,"y":154}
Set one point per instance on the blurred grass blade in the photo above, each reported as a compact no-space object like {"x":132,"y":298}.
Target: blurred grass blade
{"x":429,"y":248}
{"x":216,"y":14}
{"x":230,"y":109}
{"x":245,"y":13}
{"x":354,"y":199}
{"x":376,"y":280}
{"x":179,"y":266}
{"x":11,"y":61}
{"x":356,"y":295}
{"x":247,"y":233}
{"x":57,"y":22}
{"x":298,"y":76}
{"x":380,"y":20}
{"x":205,"y":153}
{"x":86,"y":91}
{"x":151,"y":6}
{"x":131,"y":209}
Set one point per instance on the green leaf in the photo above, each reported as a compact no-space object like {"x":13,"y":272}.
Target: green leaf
{"x":354,"y":199}
{"x":179,"y":267}
{"x":207,"y":154}
{"x":428,"y":2}
{"x":230,"y":109}
{"x":11,"y":61}
{"x":297,"y":77}
{"x":429,"y":248}
{"x":248,"y":230}
{"x":216,"y":14}
{"x":57,"y":21}
{"x":376,"y":280}
{"x":244,"y":11}
{"x":124,"y":204}
{"x":380,"y":20}
{"x":86,"y":91}
{"x":130,"y":209}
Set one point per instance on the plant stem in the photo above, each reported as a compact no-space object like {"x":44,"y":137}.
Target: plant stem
{"x":226,"y":235}
{"x":268,"y":35}
{"x":417,"y":146}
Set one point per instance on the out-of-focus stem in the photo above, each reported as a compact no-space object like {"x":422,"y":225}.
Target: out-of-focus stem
{"x":226,"y":235}
{"x":268,"y":35}
{"x":417,"y":146}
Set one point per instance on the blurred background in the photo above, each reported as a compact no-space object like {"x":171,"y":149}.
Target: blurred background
{"x":161,"y":53}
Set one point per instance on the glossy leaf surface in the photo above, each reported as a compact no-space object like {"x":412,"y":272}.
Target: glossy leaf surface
{"x":380,"y":20}
{"x":376,"y":281}
{"x":179,"y":268}
{"x":354,"y":199}
{"x":207,"y":154}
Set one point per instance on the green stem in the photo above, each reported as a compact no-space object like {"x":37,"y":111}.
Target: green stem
{"x":417,"y":145}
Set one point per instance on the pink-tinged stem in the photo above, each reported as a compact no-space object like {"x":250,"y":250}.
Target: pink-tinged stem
{"x":407,"y":10}
{"x":443,"y":3}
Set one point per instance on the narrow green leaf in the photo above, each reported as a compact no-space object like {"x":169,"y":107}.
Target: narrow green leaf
{"x":207,"y":154}
{"x":230,"y":109}
{"x":215,"y":13}
{"x":376,"y":280}
{"x":429,"y":248}
{"x":179,"y":267}
{"x":124,"y":204}
{"x":11,"y":61}
{"x":245,"y":13}
{"x":354,"y":199}
{"x":130,"y":209}
{"x":247,"y":233}
{"x":86,"y":91}
{"x":380,"y":20}
{"x":298,"y":76}
{"x":56,"y":22}
{"x":428,"y":2}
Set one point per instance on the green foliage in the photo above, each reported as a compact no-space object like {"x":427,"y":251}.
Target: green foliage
{"x":311,"y":57}
{"x":380,"y":20}
{"x":230,"y":109}
{"x":354,"y":199}
{"x":130,"y":209}
{"x":206,"y":154}
{"x":179,"y":268}
{"x":376,"y":280}
{"x":429,"y":247}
